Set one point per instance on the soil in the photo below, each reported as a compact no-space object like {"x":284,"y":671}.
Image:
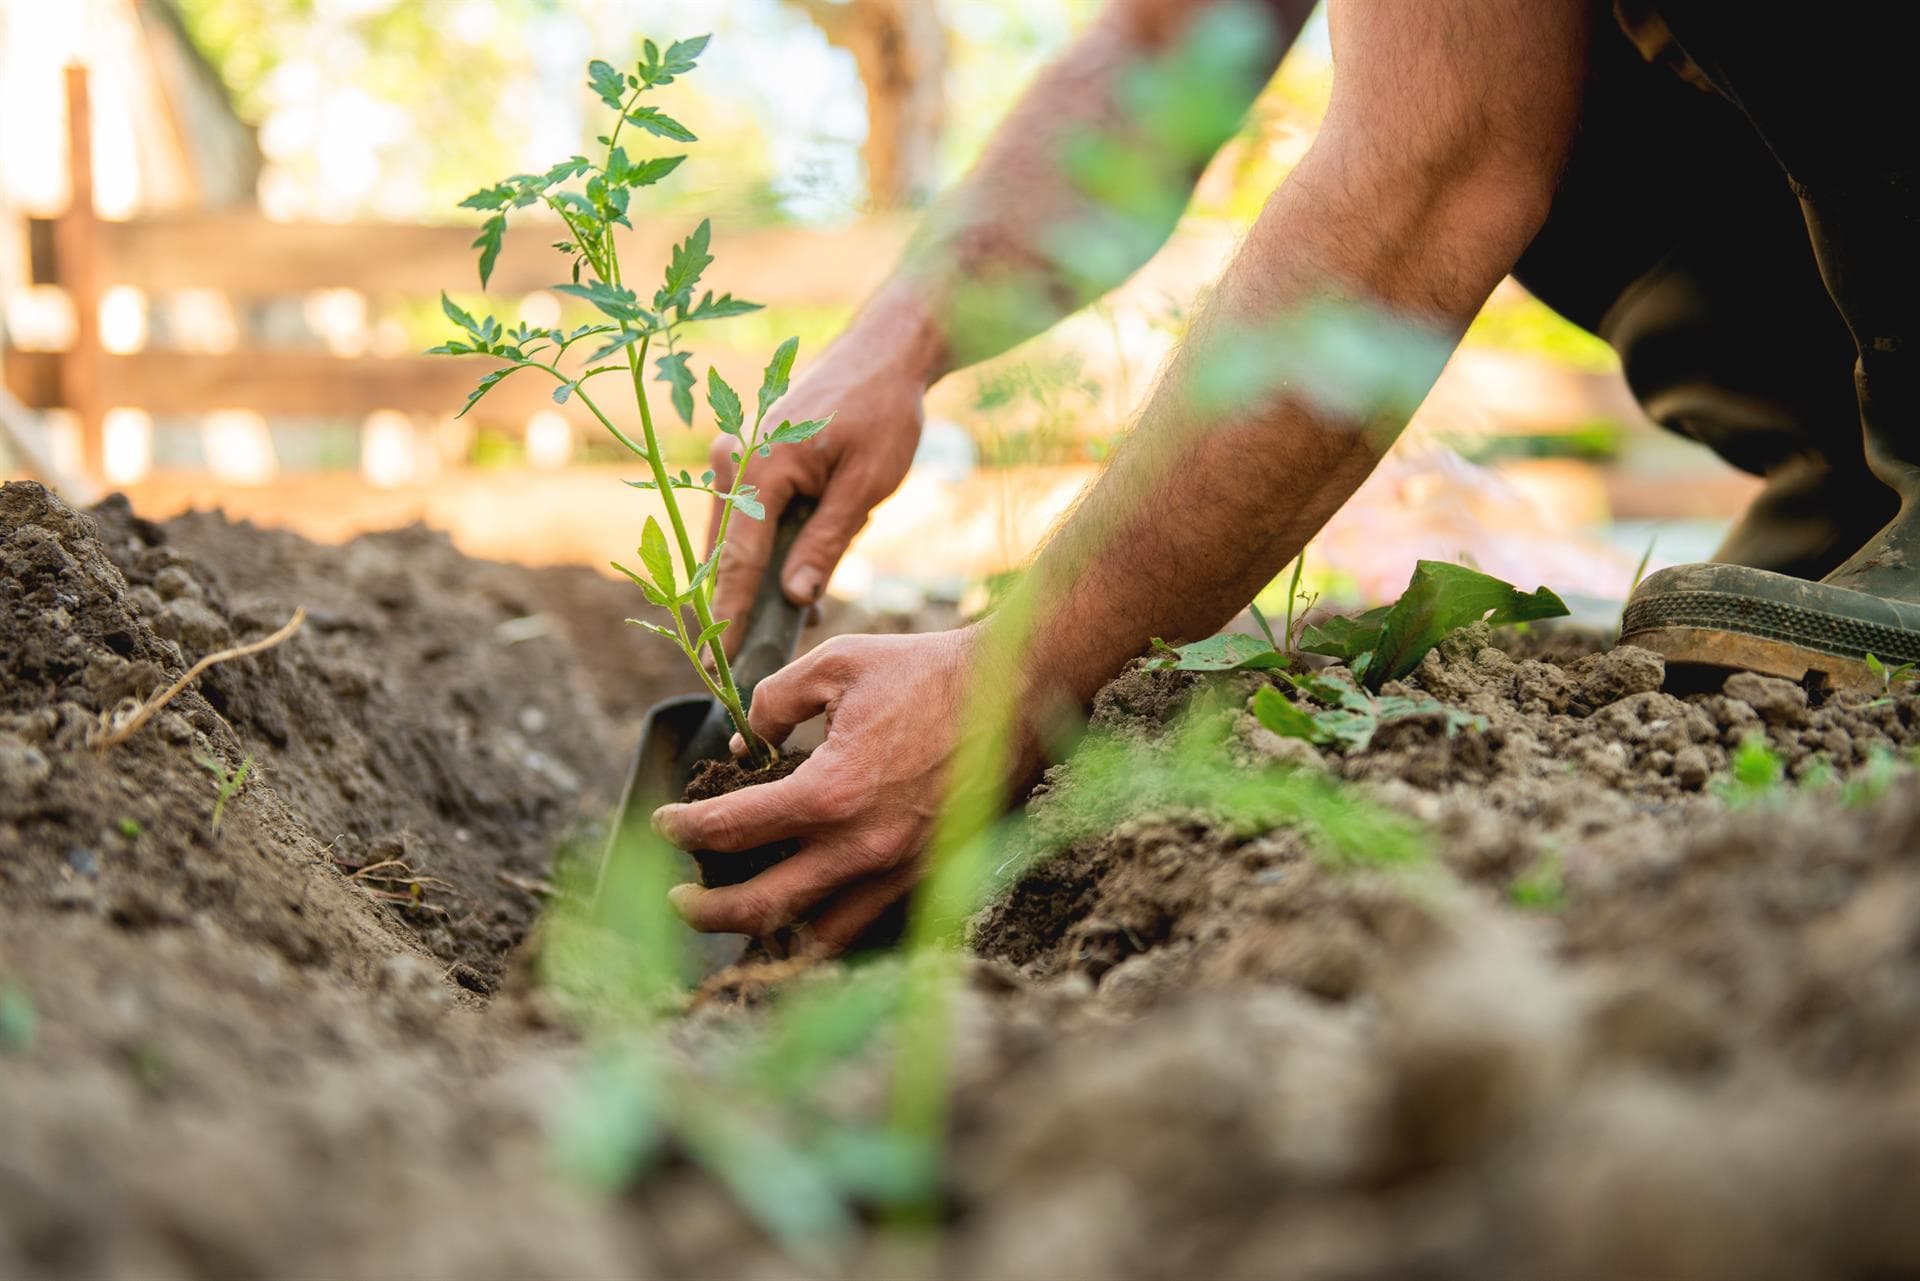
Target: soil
{"x":719,"y":778}
{"x":1628,"y":1022}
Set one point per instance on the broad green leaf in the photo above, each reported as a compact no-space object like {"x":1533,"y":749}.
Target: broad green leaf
{"x":1440,"y":600}
{"x":1272,"y":710}
{"x":488,"y":243}
{"x":1347,"y":639}
{"x":655,"y":556}
{"x":725,"y":403}
{"x":779,"y":374}
{"x":660,"y":124}
{"x":1231,"y":651}
{"x":790,"y":433}
{"x":674,"y":372}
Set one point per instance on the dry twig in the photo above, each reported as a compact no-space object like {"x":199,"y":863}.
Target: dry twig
{"x":120,"y":730}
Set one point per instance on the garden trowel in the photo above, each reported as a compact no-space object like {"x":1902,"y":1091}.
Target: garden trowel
{"x":679,"y":733}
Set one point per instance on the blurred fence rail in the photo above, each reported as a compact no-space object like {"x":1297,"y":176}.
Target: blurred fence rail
{"x":247,"y":257}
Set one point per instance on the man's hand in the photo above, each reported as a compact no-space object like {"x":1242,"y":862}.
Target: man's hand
{"x":862,"y":804}
{"x":872,"y":380}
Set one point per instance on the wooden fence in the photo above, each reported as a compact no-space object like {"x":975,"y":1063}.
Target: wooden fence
{"x":248,"y":257}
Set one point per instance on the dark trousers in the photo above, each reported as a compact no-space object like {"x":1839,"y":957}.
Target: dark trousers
{"x":1749,"y":249}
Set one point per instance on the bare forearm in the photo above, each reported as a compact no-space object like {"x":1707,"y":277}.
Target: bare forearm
{"x":992,"y":266}
{"x":1207,"y":501}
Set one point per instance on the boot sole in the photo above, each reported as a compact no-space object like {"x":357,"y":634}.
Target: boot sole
{"x":1732,"y":617}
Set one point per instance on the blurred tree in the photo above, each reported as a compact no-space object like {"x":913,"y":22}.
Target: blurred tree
{"x":900,"y":49}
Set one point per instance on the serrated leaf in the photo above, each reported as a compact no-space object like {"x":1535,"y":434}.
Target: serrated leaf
{"x":674,"y":372}
{"x":659,"y":124}
{"x":690,"y":258}
{"x":607,"y":82}
{"x":790,"y":433}
{"x":494,"y":197}
{"x":487,"y":384}
{"x":1272,"y":710}
{"x":1229,"y":652}
{"x":620,"y":303}
{"x":725,"y":403}
{"x":779,"y":373}
{"x":726,"y":305}
{"x":682,"y":54}
{"x":568,"y":169}
{"x":746,"y":501}
{"x":619,"y":342}
{"x":655,"y":556}
{"x":648,"y":172}
{"x":488,"y":243}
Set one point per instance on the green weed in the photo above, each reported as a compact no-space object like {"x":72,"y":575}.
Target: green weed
{"x":1346,"y":716}
{"x":227,"y":783}
{"x":1891,"y":678}
{"x":1542,"y":887}
{"x":1755,"y":774}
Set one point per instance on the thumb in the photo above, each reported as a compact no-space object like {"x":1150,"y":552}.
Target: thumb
{"x":823,"y":540}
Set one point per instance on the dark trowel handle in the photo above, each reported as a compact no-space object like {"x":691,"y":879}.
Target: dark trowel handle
{"x":773,"y":633}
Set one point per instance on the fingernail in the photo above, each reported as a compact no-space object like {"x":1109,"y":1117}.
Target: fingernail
{"x":683,"y":897}
{"x":737,"y":745}
{"x":804,"y":584}
{"x":659,"y":818}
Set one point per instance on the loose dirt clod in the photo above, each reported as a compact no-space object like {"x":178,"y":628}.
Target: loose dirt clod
{"x":718,"y":778}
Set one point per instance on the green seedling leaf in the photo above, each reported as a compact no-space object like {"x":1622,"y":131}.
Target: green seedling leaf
{"x":617,"y":343}
{"x":565,"y":171}
{"x":660,"y":124}
{"x":487,"y":384}
{"x":1542,"y":887}
{"x":655,"y":556}
{"x":644,"y":173}
{"x":615,"y":301}
{"x":608,"y":83}
{"x":779,"y":373}
{"x":648,"y":590}
{"x":711,"y":308}
{"x":789,"y":433}
{"x":19,"y":1022}
{"x":1351,"y":640}
{"x":1229,"y":652}
{"x":1272,"y":710}
{"x":680,"y":57}
{"x":690,"y":259}
{"x":655,"y":628}
{"x":746,"y":501}
{"x":1253,"y":607}
{"x":674,"y":372}
{"x":711,"y":632}
{"x":725,"y":403}
{"x":488,"y":243}
{"x":1756,"y":773}
{"x":459,"y":317}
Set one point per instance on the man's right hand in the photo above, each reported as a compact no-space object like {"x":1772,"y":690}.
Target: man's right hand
{"x":874,"y":389}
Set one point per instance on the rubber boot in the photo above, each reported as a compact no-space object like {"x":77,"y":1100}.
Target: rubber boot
{"x":1865,"y":235}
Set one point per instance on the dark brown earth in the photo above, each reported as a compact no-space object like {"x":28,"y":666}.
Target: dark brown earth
{"x":719,"y":778}
{"x":1626,"y":1023}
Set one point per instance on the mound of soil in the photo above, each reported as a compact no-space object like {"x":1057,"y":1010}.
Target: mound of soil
{"x":1628,"y":1020}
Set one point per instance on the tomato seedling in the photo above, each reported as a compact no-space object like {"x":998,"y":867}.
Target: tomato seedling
{"x":591,"y":196}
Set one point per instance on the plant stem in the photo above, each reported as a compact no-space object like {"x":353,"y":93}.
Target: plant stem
{"x":729,"y":693}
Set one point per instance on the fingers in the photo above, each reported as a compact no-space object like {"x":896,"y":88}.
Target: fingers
{"x":799,"y":691}
{"x":847,"y":915}
{"x":823,"y":540}
{"x":751,"y":816}
{"x":778,"y":896}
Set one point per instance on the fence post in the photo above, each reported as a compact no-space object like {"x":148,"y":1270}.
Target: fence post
{"x":76,"y":242}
